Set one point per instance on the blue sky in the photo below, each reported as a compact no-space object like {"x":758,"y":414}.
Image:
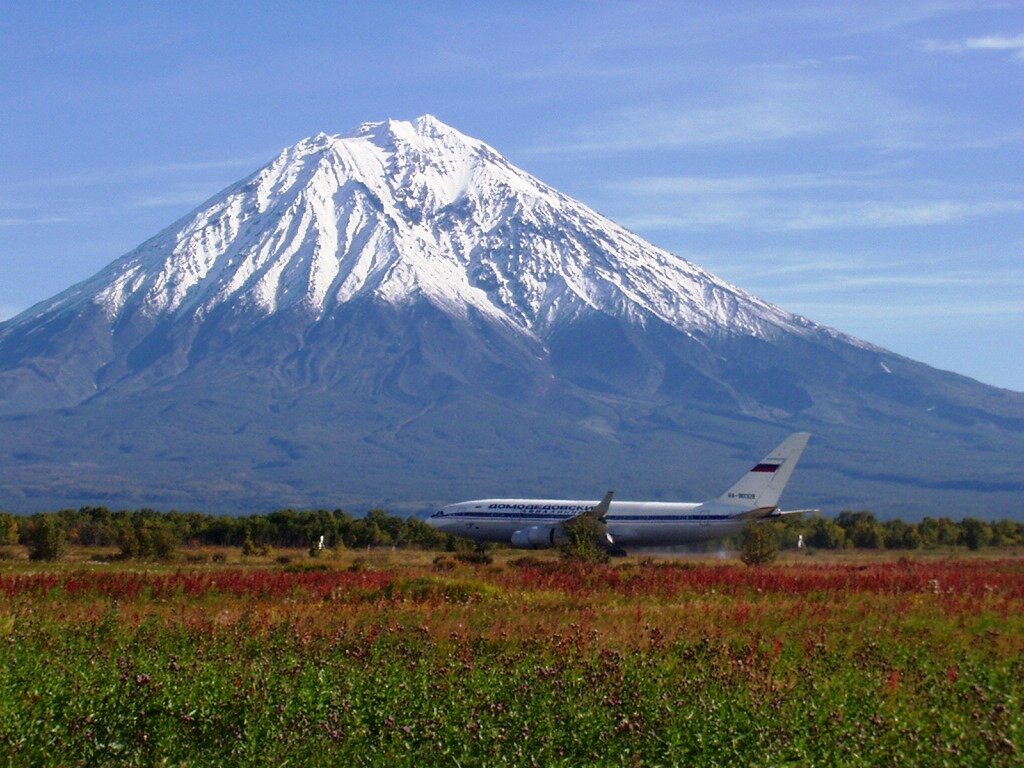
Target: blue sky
{"x":860,"y":164}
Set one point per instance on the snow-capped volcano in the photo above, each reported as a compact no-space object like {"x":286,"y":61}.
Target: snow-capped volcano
{"x":402,"y":316}
{"x":400,"y":211}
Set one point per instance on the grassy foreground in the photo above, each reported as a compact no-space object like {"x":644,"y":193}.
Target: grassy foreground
{"x":394,"y":660}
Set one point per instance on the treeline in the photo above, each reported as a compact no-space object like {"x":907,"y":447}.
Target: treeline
{"x":862,"y":530}
{"x":148,"y":533}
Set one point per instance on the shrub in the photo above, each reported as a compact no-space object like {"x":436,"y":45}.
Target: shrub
{"x":759,"y":544}
{"x":306,"y":567}
{"x":161,"y":541}
{"x":586,"y":541}
{"x":474,"y":557}
{"x":528,"y":561}
{"x":250,"y":548}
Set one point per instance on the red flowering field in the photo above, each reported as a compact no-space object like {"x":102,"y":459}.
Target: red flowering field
{"x":397,"y":661}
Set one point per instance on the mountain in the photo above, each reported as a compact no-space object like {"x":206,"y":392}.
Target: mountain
{"x":400,"y":316}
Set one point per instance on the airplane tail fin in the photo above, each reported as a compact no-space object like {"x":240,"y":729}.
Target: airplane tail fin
{"x":762,"y":486}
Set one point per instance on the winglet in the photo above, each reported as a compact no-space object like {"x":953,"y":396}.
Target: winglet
{"x":601,"y":510}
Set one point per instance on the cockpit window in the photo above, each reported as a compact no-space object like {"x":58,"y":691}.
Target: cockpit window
{"x":439,"y":513}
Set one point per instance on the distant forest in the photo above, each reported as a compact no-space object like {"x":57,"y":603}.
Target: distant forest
{"x":148,"y":533}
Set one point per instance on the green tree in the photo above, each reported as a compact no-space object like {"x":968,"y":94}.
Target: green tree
{"x":47,"y":539}
{"x":862,"y":529}
{"x":8,"y":528}
{"x":1006,"y":532}
{"x":759,"y":544}
{"x":939,"y":531}
{"x":899,"y":535}
{"x":977,"y":533}
{"x":826,"y":534}
{"x":867,"y":536}
{"x":128,"y":540}
{"x":367,"y":533}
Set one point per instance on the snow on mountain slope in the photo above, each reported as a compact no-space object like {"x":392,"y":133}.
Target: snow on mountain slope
{"x":407,"y":210}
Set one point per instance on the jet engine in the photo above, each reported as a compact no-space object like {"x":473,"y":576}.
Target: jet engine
{"x":539,"y":537}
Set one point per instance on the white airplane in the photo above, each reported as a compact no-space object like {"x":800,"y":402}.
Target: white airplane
{"x":539,"y":523}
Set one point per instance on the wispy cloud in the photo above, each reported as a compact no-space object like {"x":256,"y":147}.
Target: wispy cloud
{"x":130,"y":173}
{"x":756,"y":107}
{"x":1012,"y":43}
{"x":883,"y":17}
{"x":921,"y":309}
{"x":191,"y":195}
{"x":845,"y":288}
{"x":860,"y":282}
{"x":870,"y":285}
{"x":25,"y":221}
{"x":814,"y":270}
{"x":726,"y":205}
{"x":740,"y":185}
{"x":40,"y":201}
{"x":809,"y":62}
{"x":872,"y":198}
{"x":845,"y":300}
{"x":884,"y":214}
{"x":561,"y":72}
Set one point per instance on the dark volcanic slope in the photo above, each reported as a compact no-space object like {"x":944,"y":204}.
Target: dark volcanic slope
{"x":402,"y":317}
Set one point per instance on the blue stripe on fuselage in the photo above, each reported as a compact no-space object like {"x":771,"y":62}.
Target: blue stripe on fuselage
{"x":609,"y":518}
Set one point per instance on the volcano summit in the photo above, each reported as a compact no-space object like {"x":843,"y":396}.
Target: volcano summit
{"x":401,"y":316}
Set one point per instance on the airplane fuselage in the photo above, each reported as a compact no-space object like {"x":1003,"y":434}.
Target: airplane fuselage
{"x":630,"y":523}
